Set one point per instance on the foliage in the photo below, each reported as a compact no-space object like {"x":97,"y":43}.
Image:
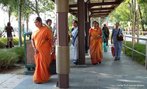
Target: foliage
{"x":40,"y":6}
{"x":70,"y":19}
{"x":9,"y":57}
{"x":9,"y":5}
{"x":19,"y":51}
{"x":2,"y":45}
{"x":143,"y":4}
{"x":137,"y":57}
{"x":121,"y":14}
{"x":4,"y":41}
{"x":124,"y":12}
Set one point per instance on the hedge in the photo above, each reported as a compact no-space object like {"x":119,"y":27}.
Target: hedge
{"x":9,"y":57}
{"x":15,"y":40}
{"x":137,"y":57}
{"x":2,"y":45}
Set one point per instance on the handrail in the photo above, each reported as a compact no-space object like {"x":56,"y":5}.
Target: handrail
{"x":141,"y":38}
{"x":140,"y":32}
{"x":133,"y":50}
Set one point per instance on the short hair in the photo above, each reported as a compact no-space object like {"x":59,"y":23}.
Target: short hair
{"x":38,"y":19}
{"x":8,"y":24}
{"x":75,"y":21}
{"x":94,"y":22}
{"x":48,"y":20}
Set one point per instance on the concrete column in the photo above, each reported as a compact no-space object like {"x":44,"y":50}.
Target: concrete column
{"x":62,"y":48}
{"x":81,"y":29}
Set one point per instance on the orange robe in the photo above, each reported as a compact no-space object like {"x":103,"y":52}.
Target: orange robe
{"x":43,"y":43}
{"x":95,"y":45}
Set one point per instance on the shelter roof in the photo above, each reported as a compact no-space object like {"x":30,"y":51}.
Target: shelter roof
{"x":96,"y":8}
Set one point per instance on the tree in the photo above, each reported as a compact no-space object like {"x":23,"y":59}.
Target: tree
{"x":121,"y":13}
{"x":143,"y":11}
{"x":39,"y":6}
{"x":9,"y":6}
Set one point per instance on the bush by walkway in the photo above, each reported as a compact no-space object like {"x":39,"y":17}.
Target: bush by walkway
{"x":9,"y":57}
{"x":137,"y":57}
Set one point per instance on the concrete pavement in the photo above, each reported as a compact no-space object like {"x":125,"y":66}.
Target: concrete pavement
{"x":123,"y":74}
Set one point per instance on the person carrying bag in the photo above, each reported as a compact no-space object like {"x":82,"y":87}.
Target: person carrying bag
{"x":116,"y":39}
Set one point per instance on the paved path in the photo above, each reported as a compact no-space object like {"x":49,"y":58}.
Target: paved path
{"x":123,"y":74}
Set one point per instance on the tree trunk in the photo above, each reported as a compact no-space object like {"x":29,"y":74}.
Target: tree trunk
{"x":142,"y":24}
{"x":133,"y":22}
{"x":9,"y":15}
{"x":27,"y":23}
{"x":19,"y":21}
{"x":37,"y":11}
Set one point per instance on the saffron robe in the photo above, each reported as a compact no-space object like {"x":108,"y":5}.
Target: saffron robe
{"x":43,"y":42}
{"x":95,"y":37}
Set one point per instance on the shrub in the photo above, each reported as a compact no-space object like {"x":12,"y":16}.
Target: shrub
{"x":15,"y":41}
{"x":137,"y":57}
{"x":4,"y":41}
{"x":2,"y":45}
{"x":20,"y":52}
{"x":9,"y":57}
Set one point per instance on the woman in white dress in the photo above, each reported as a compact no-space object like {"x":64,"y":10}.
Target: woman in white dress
{"x":74,"y":42}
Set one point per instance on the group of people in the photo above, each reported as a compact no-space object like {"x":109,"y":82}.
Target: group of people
{"x":97,"y":39}
{"x":43,"y":44}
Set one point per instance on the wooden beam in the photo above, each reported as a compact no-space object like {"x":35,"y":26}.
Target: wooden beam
{"x":99,"y":15}
{"x":73,"y":5}
{"x":106,"y":8}
{"x":93,"y":9}
{"x":101,"y":12}
{"x":99,"y":4}
{"x":104,"y":3}
{"x":73,"y":10}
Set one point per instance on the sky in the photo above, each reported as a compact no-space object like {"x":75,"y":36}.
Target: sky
{"x":14,"y":22}
{"x":3,"y":18}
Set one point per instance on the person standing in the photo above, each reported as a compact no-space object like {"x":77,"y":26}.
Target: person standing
{"x":105,"y":34}
{"x":42,"y":42}
{"x":9,"y":30}
{"x":49,"y":23}
{"x":117,"y":44}
{"x":74,"y":42}
{"x":95,"y":43}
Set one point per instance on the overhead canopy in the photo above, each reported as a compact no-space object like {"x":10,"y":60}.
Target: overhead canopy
{"x":98,"y":8}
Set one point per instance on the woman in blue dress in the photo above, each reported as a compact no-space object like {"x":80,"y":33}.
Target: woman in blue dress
{"x":117,"y":44}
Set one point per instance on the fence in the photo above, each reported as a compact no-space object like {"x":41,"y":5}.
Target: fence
{"x":140,"y":32}
{"x":133,"y":50}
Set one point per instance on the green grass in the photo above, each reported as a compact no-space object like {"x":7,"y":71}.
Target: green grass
{"x":2,"y":45}
{"x":137,"y":57}
{"x":9,"y":57}
{"x":15,"y":40}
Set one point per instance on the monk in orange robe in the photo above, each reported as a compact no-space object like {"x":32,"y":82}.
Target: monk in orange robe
{"x":95,"y":43}
{"x":42,"y":44}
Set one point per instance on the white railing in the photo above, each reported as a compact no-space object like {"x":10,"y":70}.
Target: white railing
{"x":143,"y":33}
{"x":133,"y":50}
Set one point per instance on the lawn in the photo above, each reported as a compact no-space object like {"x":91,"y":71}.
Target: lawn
{"x":137,"y":57}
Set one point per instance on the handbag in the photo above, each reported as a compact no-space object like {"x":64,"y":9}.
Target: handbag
{"x":119,"y":37}
{"x":113,"y":50}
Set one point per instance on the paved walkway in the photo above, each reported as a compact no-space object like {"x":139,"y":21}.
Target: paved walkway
{"x":123,"y":74}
